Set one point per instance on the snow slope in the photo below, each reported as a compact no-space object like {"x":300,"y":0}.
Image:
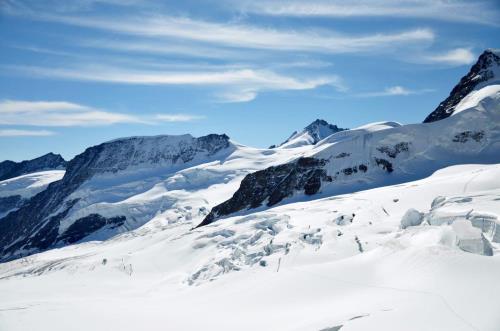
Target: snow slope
{"x":301,"y":266}
{"x":375,"y":155}
{"x":28,"y":185}
{"x":15,"y":191}
{"x":120,"y":185}
{"x":386,"y":226}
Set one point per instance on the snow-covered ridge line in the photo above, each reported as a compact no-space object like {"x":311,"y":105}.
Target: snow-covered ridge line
{"x":50,"y":161}
{"x":35,"y":226}
{"x":357,"y":159}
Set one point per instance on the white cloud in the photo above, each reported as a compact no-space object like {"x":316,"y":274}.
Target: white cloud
{"x":25,"y":133}
{"x":393,"y":91}
{"x":154,"y":46}
{"x":233,"y":82}
{"x":66,"y":114}
{"x":459,"y":56}
{"x":481,"y":12}
{"x":58,"y":113}
{"x":245,"y":36}
{"x":178,"y":117}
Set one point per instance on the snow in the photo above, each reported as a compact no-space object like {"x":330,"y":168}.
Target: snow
{"x":182,"y":193}
{"x":30,"y":184}
{"x":473,"y":99}
{"x":412,"y":217}
{"x":415,"y":249}
{"x":314,"y":274}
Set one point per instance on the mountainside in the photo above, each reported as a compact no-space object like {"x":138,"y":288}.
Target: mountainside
{"x":36,"y":225}
{"x":50,"y":161}
{"x":312,"y":134}
{"x":374,"y":156}
{"x":338,"y":262}
{"x":485,"y":72}
{"x":14,"y":192}
{"x":334,"y":230}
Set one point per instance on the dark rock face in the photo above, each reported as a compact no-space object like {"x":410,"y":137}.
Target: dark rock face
{"x":273,"y":184}
{"x":50,"y":161}
{"x":342,"y":155}
{"x":393,"y":151}
{"x":34,"y":227}
{"x":465,"y":136}
{"x":9,"y":203}
{"x":480,"y":72}
{"x":87,"y":225}
{"x":384,"y":164}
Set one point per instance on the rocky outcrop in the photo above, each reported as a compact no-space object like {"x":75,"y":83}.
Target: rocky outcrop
{"x":270,"y":186}
{"x":482,"y":71}
{"x":88,"y":225}
{"x":50,"y":161}
{"x":35,"y":226}
{"x":9,"y":203}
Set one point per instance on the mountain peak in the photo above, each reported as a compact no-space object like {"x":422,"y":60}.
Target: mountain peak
{"x":485,"y":71}
{"x":49,"y":161}
{"x":318,"y":130}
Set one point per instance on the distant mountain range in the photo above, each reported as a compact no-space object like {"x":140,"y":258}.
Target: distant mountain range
{"x":118,"y":186}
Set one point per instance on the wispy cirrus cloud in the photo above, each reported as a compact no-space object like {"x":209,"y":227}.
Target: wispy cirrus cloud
{"x":67,"y":114}
{"x":237,"y":85}
{"x":393,"y":91}
{"x":25,"y":133}
{"x":240,"y":35}
{"x":454,"y":57}
{"x":479,"y":12}
{"x":58,"y":113}
{"x":177,"y":117}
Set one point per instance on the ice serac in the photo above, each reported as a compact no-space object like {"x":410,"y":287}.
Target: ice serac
{"x":485,"y":72}
{"x":36,"y":226}
{"x":50,"y":161}
{"x":311,"y":134}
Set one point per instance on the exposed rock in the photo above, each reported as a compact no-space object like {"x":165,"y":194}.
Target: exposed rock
{"x":480,"y":72}
{"x":273,"y":185}
{"x":50,"y":161}
{"x":393,"y":151}
{"x":34,"y":227}
{"x":465,"y":136}
{"x":10,"y":203}
{"x":342,"y":155}
{"x":87,"y":225}
{"x":384,"y":164}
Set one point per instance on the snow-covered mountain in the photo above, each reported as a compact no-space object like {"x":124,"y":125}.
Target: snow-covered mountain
{"x":113,"y":166}
{"x":18,"y":190}
{"x":376,"y":155}
{"x":341,"y":261}
{"x":486,"y":71}
{"x":310,"y":135}
{"x":19,"y":181}
{"x":50,"y":161}
{"x":333,"y":230}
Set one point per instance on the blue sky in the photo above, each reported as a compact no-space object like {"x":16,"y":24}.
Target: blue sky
{"x":76,"y":73}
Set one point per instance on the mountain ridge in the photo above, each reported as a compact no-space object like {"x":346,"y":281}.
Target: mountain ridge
{"x":49,"y":161}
